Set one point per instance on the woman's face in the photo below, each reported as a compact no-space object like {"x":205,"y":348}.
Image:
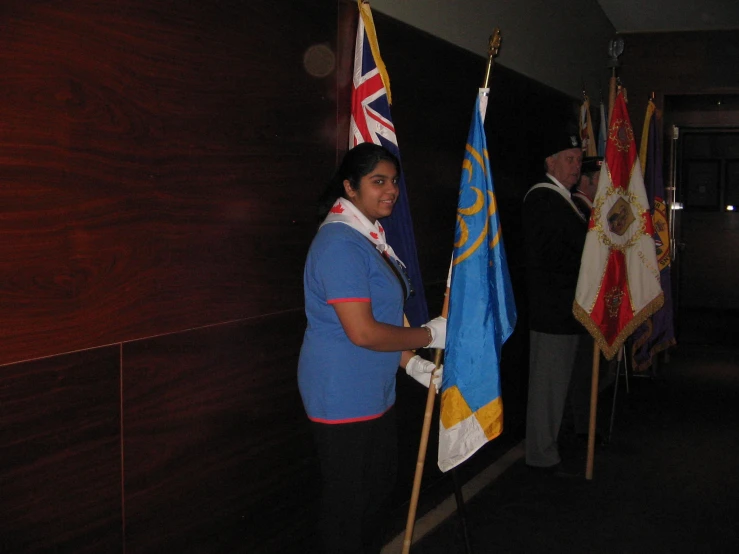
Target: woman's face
{"x":377,"y":193}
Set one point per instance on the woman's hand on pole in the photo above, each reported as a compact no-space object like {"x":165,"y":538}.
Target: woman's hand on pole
{"x":438,"y":332}
{"x":424,"y":371}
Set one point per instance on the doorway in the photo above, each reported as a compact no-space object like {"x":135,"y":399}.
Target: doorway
{"x":706,"y":176}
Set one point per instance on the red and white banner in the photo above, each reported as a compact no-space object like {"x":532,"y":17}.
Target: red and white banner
{"x":619,"y":282}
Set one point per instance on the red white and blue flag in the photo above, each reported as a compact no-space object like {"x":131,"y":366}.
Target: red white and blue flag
{"x":371,"y":122}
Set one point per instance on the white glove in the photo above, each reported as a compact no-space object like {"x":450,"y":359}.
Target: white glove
{"x":423,"y":371}
{"x":438,"y":332}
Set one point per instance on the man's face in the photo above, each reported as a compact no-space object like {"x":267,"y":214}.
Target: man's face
{"x":589,"y":184}
{"x":565,"y":166}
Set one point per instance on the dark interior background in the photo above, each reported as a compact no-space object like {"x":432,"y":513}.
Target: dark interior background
{"x":697,"y":91}
{"x":159,"y":166}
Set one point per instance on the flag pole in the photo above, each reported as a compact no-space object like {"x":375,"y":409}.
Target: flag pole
{"x":493,"y":48}
{"x":611,"y":93}
{"x":615,"y":49}
{"x":423,"y":446}
{"x":593,"y":410}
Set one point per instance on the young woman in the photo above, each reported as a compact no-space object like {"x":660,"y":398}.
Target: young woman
{"x":355,"y":288}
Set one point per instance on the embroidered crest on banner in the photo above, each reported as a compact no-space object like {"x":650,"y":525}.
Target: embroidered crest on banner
{"x":613,"y":300}
{"x":616,"y":218}
{"x":621,"y":134}
{"x":620,"y":217}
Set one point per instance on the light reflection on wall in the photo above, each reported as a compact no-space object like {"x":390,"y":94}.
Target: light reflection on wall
{"x":319,"y":60}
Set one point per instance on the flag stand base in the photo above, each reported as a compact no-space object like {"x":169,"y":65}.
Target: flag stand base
{"x":461,"y":510}
{"x":621,"y":357}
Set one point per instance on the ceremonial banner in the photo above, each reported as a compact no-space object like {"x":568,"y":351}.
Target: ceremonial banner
{"x":619,"y":282}
{"x":482,"y":312}
{"x":587,"y":137}
{"x":656,"y":333}
{"x":371,"y":122}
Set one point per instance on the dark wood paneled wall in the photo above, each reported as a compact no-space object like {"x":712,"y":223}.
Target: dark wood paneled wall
{"x":159,"y":161}
{"x":217,"y":453}
{"x":60,"y":457}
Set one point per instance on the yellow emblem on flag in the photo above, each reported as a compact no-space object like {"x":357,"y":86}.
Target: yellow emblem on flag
{"x":472,"y":211}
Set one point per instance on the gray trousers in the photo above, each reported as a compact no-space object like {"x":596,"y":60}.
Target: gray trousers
{"x":551,"y":362}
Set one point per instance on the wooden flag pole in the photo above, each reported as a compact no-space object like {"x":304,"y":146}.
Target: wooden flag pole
{"x":593,"y":412}
{"x":615,"y":49}
{"x":612,"y":85}
{"x":423,"y":446}
{"x":493,"y":48}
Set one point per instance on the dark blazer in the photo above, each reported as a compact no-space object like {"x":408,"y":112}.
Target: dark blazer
{"x":554,"y":237}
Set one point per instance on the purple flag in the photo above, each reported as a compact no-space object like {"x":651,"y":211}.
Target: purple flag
{"x":657,"y":333}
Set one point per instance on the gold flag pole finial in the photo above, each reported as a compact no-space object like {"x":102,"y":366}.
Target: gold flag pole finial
{"x":493,"y":48}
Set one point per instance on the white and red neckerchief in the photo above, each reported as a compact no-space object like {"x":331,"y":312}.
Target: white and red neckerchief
{"x":343,"y":211}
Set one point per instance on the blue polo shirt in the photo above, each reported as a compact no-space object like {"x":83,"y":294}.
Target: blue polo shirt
{"x":340,"y":382}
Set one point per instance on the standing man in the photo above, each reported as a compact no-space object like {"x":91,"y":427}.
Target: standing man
{"x":584,"y":194}
{"x":554,"y":237}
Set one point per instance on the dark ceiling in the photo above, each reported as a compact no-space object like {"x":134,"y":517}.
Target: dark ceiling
{"x":646,"y":16}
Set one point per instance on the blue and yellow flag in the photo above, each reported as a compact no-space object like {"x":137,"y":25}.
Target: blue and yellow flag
{"x":482,"y":312}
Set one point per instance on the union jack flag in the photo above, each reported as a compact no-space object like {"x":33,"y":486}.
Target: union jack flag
{"x":371,"y":122}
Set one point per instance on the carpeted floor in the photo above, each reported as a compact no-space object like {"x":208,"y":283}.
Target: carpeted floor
{"x":666,"y":483}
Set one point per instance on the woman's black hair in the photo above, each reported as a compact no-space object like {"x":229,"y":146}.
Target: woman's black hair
{"x":357,"y":162}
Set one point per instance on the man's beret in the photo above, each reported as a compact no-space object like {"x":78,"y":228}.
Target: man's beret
{"x":564,"y":139}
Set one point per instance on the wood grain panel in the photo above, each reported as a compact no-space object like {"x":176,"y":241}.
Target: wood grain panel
{"x":152,"y":151}
{"x":218,"y":456}
{"x":60,"y":458}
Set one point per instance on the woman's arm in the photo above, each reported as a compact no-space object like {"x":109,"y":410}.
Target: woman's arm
{"x":405,"y":357}
{"x":363,"y":330}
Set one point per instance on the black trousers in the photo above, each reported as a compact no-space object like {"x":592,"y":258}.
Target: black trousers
{"x":358,"y":469}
